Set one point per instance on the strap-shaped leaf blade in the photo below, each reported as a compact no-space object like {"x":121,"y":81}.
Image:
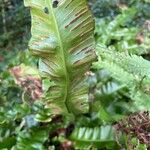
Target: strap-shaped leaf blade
{"x":62,"y":36}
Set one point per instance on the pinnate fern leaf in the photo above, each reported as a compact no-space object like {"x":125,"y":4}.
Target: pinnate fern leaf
{"x":103,"y":137}
{"x":132,"y":71}
{"x":62,"y":36}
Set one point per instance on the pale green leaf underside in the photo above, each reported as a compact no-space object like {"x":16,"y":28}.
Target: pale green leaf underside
{"x":63,"y":37}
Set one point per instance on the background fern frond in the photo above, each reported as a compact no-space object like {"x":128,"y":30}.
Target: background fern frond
{"x":130,"y":71}
{"x":98,"y":137}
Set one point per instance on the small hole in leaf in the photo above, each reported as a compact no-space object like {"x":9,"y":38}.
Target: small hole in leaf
{"x":82,"y":104}
{"x":55,"y":3}
{"x":46,"y":10}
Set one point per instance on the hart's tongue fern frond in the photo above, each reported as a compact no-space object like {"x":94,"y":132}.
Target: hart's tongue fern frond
{"x":63,"y":37}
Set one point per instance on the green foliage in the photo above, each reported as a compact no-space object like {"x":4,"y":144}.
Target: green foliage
{"x":32,"y":139}
{"x":118,"y":82}
{"x":118,"y":35}
{"x":117,"y":46}
{"x":66,"y":48}
{"x":129,"y":71}
{"x":14,"y":22}
{"x":97,"y":137}
{"x":120,"y":48}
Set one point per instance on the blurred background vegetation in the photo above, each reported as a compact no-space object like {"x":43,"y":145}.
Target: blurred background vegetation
{"x":14,"y":31}
{"x":119,"y":88}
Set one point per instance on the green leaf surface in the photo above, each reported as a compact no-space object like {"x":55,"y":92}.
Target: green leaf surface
{"x":31,"y":140}
{"x":63,"y":37}
{"x":7,"y":142}
{"x":132,"y":72}
{"x":98,"y":137}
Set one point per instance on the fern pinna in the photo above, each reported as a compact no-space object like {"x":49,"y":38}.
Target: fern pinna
{"x":63,"y":37}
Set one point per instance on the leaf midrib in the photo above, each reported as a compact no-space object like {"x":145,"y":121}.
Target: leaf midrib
{"x":63,"y":58}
